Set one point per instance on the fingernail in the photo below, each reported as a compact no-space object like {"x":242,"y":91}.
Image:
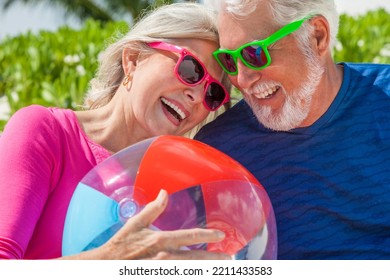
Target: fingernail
{"x":161,"y":195}
{"x":220,"y":234}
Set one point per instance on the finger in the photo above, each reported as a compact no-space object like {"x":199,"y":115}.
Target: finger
{"x":151,"y":211}
{"x":187,"y":237}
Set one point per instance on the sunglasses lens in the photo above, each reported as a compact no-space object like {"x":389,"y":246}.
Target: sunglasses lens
{"x":228,"y":62}
{"x":190,"y":71}
{"x":254,"y":55}
{"x":215,"y":95}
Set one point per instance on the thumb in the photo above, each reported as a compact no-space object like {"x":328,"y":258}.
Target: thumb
{"x":152,"y":210}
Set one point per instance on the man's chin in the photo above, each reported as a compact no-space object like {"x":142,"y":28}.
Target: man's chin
{"x":277,"y":122}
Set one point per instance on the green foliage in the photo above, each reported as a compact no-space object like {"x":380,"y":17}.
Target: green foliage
{"x":102,"y":10}
{"x":54,"y":68}
{"x":364,"y":38}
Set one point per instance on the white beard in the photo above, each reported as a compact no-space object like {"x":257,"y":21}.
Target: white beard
{"x":297,"y":105}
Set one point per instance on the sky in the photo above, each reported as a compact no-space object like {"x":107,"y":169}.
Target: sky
{"x":21,"y":18}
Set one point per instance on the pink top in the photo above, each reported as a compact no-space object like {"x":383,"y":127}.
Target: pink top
{"x":43,"y":155}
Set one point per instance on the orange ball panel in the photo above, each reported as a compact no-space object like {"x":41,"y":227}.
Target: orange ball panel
{"x":162,"y":167}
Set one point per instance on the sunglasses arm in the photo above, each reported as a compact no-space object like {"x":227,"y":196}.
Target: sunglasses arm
{"x":165,"y":46}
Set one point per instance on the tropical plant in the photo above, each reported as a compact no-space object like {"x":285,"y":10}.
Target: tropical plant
{"x":107,"y":10}
{"x":52,"y":68}
{"x":364,"y":38}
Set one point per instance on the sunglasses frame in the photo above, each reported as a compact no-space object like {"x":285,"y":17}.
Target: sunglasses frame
{"x":263,"y":44}
{"x":207,"y":77}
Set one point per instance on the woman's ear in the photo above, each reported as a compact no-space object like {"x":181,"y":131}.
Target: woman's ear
{"x":129,"y":61}
{"x":321,"y":34}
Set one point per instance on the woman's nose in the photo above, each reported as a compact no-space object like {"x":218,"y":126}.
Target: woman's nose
{"x":195,"y":94}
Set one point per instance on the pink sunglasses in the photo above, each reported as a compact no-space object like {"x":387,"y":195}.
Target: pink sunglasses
{"x":191,"y":72}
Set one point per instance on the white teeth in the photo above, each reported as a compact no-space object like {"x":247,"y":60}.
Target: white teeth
{"x":266,"y":93}
{"x":174,"y":107}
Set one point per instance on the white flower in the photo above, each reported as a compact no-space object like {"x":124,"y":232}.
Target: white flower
{"x":81,"y":70}
{"x":5,"y":109}
{"x":385,"y":51}
{"x":360,"y":43}
{"x":76,"y":58}
{"x":68,"y":59}
{"x":15,"y":96}
{"x":71,"y":59}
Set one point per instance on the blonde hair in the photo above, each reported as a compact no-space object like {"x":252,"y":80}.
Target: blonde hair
{"x":169,"y":22}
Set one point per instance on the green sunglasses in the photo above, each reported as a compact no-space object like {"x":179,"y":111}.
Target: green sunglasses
{"x":255,"y":54}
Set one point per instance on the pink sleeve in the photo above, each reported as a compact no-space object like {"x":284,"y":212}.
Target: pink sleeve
{"x":27,"y":157}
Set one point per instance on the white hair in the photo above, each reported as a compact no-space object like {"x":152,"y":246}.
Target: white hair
{"x":284,"y":12}
{"x":169,"y":22}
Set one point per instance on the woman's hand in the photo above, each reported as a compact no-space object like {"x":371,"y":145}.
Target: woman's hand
{"x":135,"y":240}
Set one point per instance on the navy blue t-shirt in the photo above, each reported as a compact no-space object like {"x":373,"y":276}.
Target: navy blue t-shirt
{"x":329,"y":183}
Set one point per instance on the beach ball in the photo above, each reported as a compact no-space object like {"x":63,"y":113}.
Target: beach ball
{"x":207,"y":189}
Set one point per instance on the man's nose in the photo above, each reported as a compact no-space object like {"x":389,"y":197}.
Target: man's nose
{"x":246,"y":77}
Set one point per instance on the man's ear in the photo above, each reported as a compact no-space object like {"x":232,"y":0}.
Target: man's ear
{"x":321,"y":34}
{"x":129,"y":61}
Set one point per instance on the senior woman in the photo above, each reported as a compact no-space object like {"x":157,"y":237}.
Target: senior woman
{"x":160,"y":78}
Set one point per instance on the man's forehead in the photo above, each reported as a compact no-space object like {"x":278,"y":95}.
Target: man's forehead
{"x":235,"y":31}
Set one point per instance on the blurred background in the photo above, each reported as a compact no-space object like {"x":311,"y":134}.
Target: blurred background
{"x":49,"y":48}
